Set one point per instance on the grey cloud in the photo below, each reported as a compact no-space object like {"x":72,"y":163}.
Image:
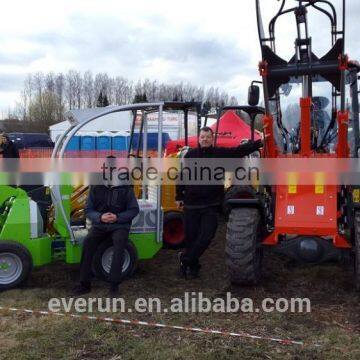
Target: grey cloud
{"x":96,"y":40}
{"x":19,"y":59}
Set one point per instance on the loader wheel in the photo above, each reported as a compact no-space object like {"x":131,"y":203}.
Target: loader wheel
{"x":237,"y":192}
{"x":15,"y":264}
{"x":243,"y":249}
{"x":103,"y":258}
{"x":357,"y":250}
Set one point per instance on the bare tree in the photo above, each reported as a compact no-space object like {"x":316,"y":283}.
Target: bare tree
{"x":45,"y":97}
{"x":70,"y":89}
{"x":60,"y":94}
{"x":78,"y":88}
{"x":101,"y":84}
{"x":121,"y":91}
{"x":38,"y":83}
{"x":88,"y":89}
{"x":233,"y":101}
{"x":49,"y":80}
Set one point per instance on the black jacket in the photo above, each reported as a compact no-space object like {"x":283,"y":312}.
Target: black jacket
{"x":119,"y":200}
{"x":200,"y":196}
{"x":9,"y":150}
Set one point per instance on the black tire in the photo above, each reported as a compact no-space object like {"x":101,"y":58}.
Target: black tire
{"x":101,"y":261}
{"x":173,"y":230}
{"x":15,"y":264}
{"x":357,"y":250}
{"x":243,"y":250}
{"x":236,"y":192}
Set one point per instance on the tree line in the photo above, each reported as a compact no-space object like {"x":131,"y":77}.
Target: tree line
{"x":46,"y":96}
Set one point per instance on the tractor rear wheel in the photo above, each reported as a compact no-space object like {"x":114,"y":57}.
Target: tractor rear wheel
{"x":243,"y":249}
{"x":357,"y":250}
{"x":15,"y":264}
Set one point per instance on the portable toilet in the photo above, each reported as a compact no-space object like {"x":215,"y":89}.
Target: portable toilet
{"x":73,"y":147}
{"x":74,"y":144}
{"x":165,"y":139}
{"x":103,"y":141}
{"x":88,"y":144}
{"x":119,"y":143}
{"x":135,"y":140}
{"x":152,"y":140}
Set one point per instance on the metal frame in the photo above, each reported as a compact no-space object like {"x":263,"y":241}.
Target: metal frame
{"x":168,"y":106}
{"x":64,"y":140}
{"x":354,"y":88}
{"x":303,"y":63}
{"x":252,"y":111}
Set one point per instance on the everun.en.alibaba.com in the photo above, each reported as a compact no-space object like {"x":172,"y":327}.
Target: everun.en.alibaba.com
{"x":190,"y":303}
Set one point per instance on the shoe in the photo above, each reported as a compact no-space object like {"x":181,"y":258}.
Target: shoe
{"x":114,"y":290}
{"x":194,"y":270}
{"x":82,"y":289}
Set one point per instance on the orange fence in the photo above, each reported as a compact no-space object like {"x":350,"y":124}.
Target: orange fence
{"x":33,"y":153}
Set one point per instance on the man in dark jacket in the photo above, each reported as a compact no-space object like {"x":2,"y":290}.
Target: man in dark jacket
{"x":111,"y":210}
{"x":200,"y":202}
{"x":7,"y":148}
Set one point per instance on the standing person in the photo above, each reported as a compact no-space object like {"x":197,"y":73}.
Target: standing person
{"x":7,"y":148}
{"x":111,"y":210}
{"x":200,"y":202}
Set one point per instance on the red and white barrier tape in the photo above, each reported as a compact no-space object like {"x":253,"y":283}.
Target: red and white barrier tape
{"x":154,"y":325}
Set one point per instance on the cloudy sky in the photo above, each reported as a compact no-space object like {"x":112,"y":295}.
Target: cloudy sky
{"x":205,"y":43}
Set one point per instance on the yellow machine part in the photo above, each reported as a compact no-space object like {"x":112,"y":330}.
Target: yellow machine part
{"x":78,"y":201}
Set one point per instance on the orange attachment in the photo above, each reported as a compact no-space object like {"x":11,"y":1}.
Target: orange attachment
{"x":306,"y":213}
{"x":342,"y":147}
{"x":263,"y":68}
{"x":271,"y":150}
{"x":305,"y":126}
{"x":343,"y":62}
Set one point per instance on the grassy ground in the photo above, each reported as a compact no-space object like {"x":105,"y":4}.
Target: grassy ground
{"x":330,"y":331}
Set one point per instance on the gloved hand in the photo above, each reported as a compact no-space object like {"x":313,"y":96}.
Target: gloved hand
{"x":255,"y":145}
{"x":249,"y":147}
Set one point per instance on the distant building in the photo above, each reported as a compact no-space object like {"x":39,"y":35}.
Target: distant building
{"x":120,"y":122}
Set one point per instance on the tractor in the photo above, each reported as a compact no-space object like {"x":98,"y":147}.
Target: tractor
{"x":310,"y":223}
